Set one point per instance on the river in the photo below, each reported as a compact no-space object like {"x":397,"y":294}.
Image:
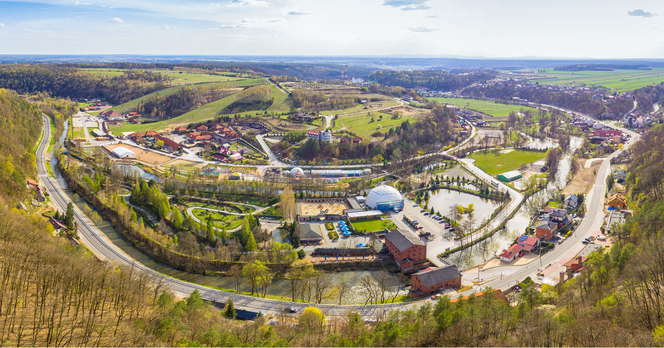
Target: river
{"x":491,"y":247}
{"x":278,"y":287}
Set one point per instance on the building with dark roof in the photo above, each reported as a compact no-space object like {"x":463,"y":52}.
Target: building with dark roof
{"x":310,"y":234}
{"x":433,"y":279}
{"x":406,"y":248}
{"x":546,"y":230}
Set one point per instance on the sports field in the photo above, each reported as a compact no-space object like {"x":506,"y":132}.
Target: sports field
{"x":494,"y":162}
{"x":484,"y":107}
{"x":618,"y":80}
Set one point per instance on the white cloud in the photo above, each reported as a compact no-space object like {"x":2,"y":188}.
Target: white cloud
{"x":2,"y":25}
{"x":81,"y":3}
{"x":248,"y":22}
{"x":256,"y":3}
{"x":641,"y":13}
{"x":407,"y":5}
{"x":167,"y":27}
{"x":298,"y":13}
{"x":422,"y":30}
{"x":115,"y":20}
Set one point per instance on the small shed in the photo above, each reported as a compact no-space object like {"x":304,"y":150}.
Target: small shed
{"x":510,"y":176}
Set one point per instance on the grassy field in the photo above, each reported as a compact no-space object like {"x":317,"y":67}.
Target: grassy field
{"x":130,"y":105}
{"x":202,"y":114}
{"x":361,"y":108}
{"x":618,"y":80}
{"x":363,"y":127}
{"x":78,"y":133}
{"x":373,"y":225}
{"x":178,"y":77}
{"x":494,"y":162}
{"x":485,"y":107}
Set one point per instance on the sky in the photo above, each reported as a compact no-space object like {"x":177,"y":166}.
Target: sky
{"x":446,"y":28}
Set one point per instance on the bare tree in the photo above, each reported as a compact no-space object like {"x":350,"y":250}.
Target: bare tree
{"x":343,"y":288}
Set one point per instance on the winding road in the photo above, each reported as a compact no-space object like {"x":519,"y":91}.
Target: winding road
{"x":105,"y":250}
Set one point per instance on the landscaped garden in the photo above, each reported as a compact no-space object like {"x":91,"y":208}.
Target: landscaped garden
{"x":219,"y":220}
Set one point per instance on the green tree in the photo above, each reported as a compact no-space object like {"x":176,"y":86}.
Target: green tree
{"x":251,"y":243}
{"x":69,"y":216}
{"x":253,"y":272}
{"x":229,"y":312}
{"x":177,"y":219}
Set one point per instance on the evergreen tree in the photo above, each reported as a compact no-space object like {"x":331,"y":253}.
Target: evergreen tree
{"x":177,"y":219}
{"x":251,"y":243}
{"x":69,"y":216}
{"x":229,"y":312}
{"x":209,"y":228}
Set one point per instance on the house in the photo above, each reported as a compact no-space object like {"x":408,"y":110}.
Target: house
{"x":406,"y":248}
{"x":571,"y":202}
{"x":180,"y":129}
{"x":546,"y":230}
{"x":510,"y":254}
{"x":364,"y":215}
{"x":510,"y":176}
{"x":616,"y":202}
{"x":357,"y":140}
{"x":111,"y":115}
{"x":39,"y":196}
{"x":432,"y":279}
{"x":344,"y":140}
{"x":310,"y":234}
{"x":325,"y":136}
{"x":620,"y":176}
{"x":497,"y":293}
{"x":33,"y":184}
{"x":169,"y":145}
{"x":202,"y":128}
{"x":236,"y":157}
{"x":199,"y":136}
{"x":529,"y":243}
{"x":216,"y":127}
{"x":57,"y":224}
{"x":575,"y":265}
{"x":312,"y":134}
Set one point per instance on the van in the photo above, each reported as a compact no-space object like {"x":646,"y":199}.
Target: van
{"x":602,"y":238}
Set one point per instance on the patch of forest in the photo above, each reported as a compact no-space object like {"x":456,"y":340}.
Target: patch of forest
{"x":70,"y":82}
{"x":580,"y":102}
{"x":649,"y":95}
{"x":431,"y":79}
{"x":186,"y":99}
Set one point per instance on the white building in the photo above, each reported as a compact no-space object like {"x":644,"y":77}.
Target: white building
{"x":121,"y":152}
{"x":326,"y":136}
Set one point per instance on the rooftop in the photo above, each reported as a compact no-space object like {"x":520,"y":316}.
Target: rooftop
{"x":403,"y":240}
{"x":430,"y":277}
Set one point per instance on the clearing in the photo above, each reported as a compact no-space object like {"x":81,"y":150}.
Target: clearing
{"x":363,"y":127}
{"x":583,"y":179}
{"x":494,"y":162}
{"x":313,"y":209}
{"x":485,"y":107}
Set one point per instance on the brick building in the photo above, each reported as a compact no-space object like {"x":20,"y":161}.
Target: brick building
{"x":406,"y":248}
{"x":432,"y":279}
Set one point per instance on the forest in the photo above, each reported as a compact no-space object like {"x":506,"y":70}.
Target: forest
{"x":583,"y":103}
{"x":318,"y":101}
{"x":649,"y":95}
{"x":20,"y":129}
{"x":186,"y":99}
{"x":431,"y":79}
{"x":66,"y":82}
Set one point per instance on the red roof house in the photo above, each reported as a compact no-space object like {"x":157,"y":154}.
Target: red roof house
{"x":510,"y":254}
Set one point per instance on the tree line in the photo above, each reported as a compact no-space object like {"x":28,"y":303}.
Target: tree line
{"x":70,"y":82}
{"x":185,"y":99}
{"x":431,"y":79}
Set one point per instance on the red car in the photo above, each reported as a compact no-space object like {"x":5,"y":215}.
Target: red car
{"x":521,"y":253}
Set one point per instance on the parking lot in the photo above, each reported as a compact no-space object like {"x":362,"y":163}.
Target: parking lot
{"x":442,"y":238}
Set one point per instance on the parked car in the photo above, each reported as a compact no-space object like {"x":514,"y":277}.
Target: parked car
{"x":291,"y":310}
{"x":425,"y":214}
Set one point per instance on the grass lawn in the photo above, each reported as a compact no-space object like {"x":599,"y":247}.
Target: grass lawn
{"x":373,"y":225}
{"x":482,"y":106}
{"x":361,"y":108}
{"x":178,"y":77}
{"x":218,"y":219}
{"x":363,"y":127}
{"x":618,"y":80}
{"x":494,"y":162}
{"x":78,"y":133}
{"x":202,"y":114}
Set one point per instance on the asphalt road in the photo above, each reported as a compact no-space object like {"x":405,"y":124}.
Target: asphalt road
{"x":105,"y":250}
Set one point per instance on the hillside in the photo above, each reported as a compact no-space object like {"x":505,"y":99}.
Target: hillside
{"x":20,"y":130}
